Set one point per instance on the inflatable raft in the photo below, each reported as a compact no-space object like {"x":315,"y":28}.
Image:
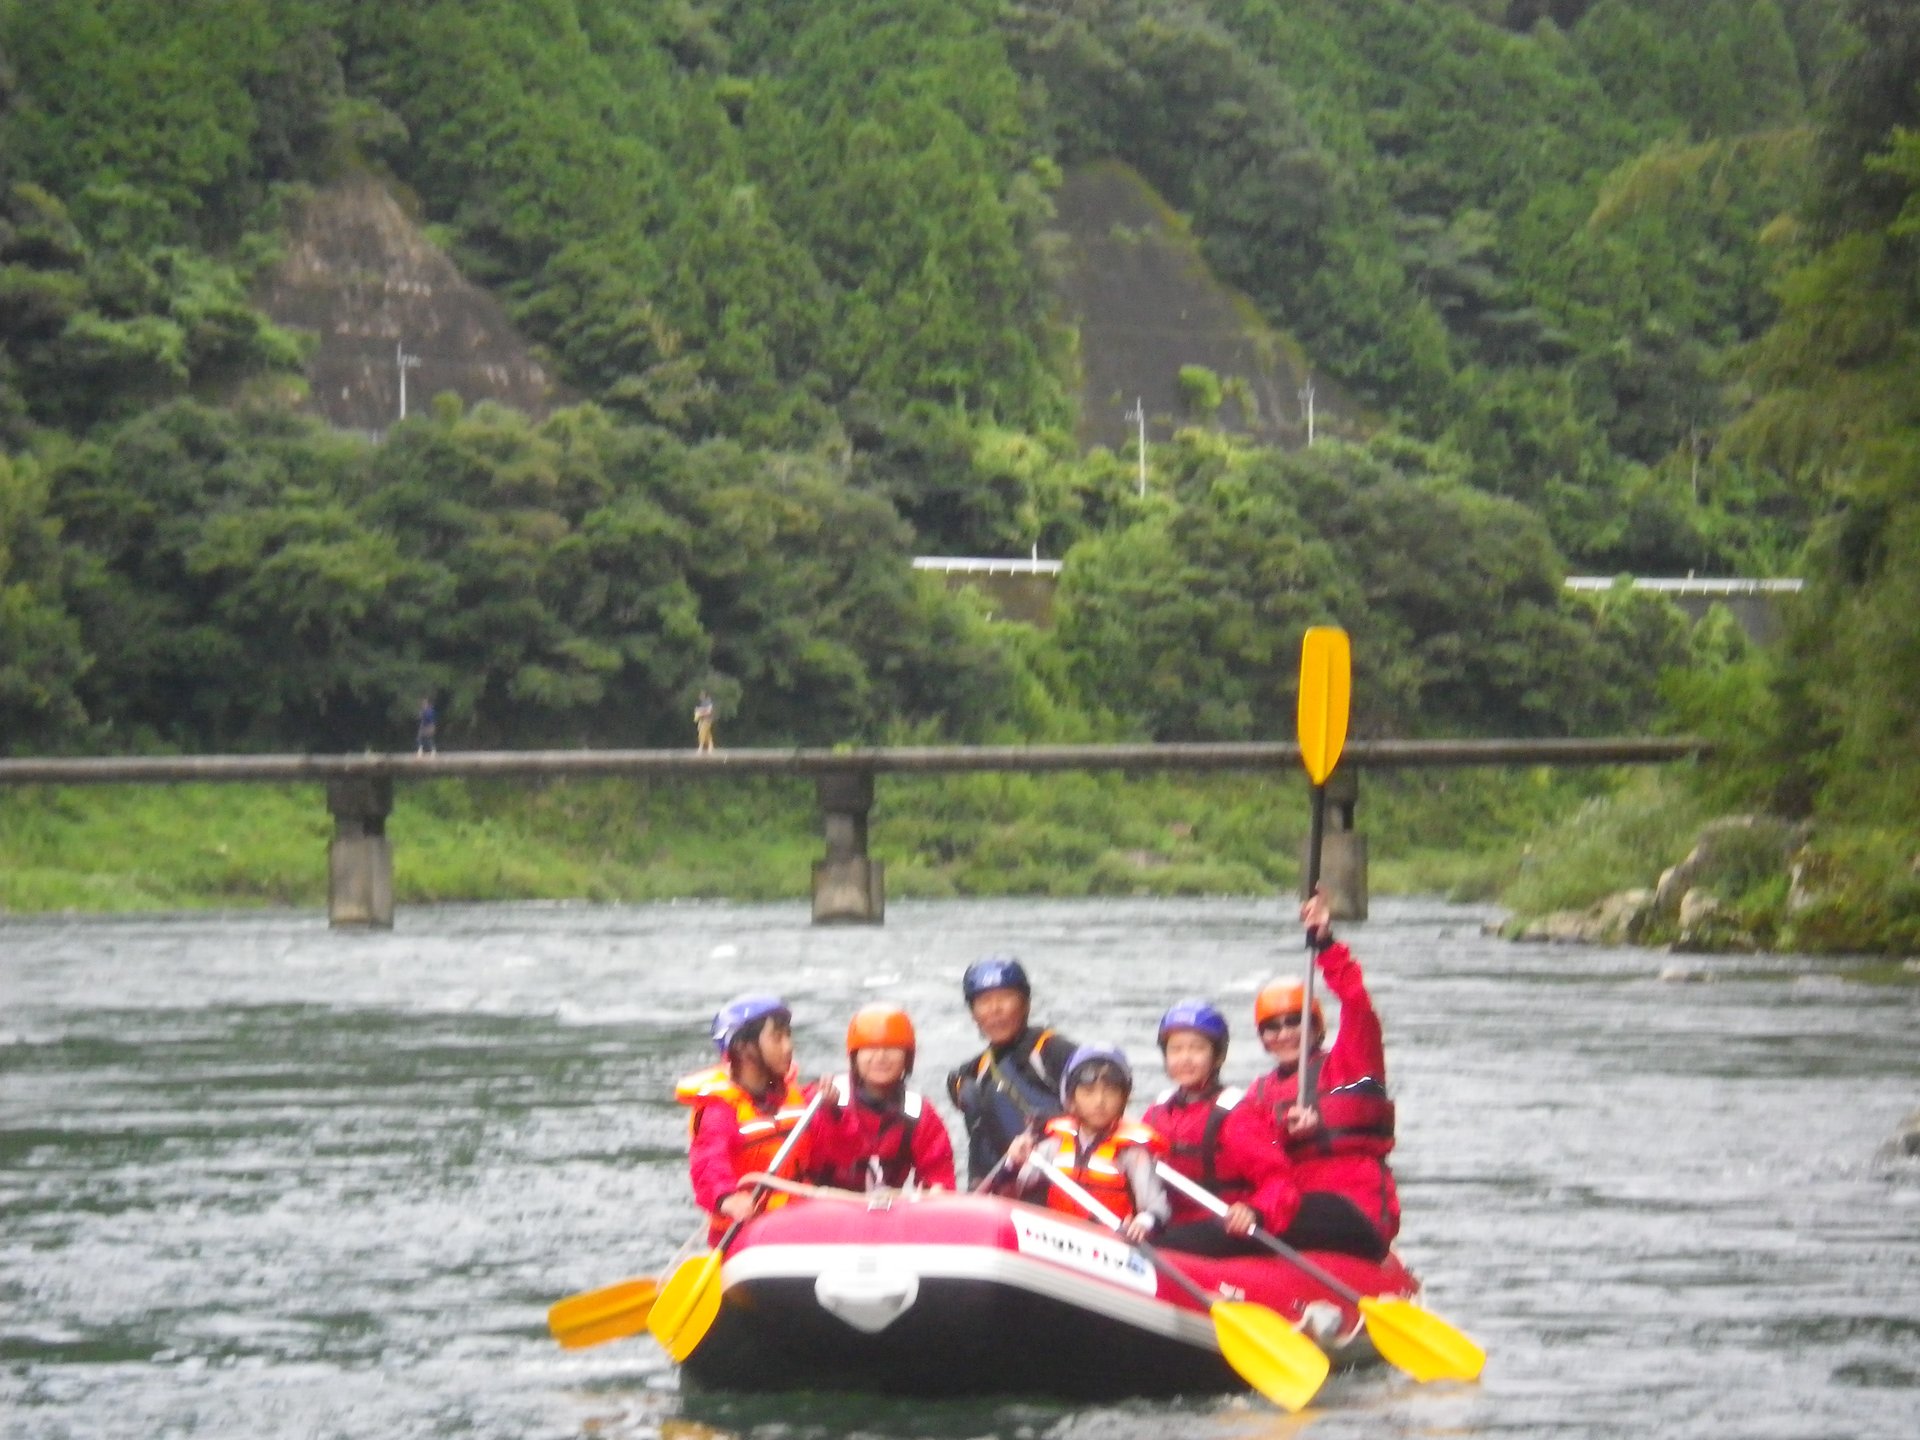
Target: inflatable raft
{"x":941,"y":1294}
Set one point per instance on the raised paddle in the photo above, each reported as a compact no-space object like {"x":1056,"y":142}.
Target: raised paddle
{"x":1326,"y":694}
{"x":689,"y":1301}
{"x":1408,"y":1337}
{"x":1265,"y":1351}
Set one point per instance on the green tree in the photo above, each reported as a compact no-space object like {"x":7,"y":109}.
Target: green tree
{"x":1837,"y":412}
{"x":41,"y":654}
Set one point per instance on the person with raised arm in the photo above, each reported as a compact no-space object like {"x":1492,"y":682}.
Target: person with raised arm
{"x":1338,"y":1130}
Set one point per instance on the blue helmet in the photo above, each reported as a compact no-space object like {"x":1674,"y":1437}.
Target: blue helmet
{"x":1198,"y":1016}
{"x":995,"y":972}
{"x":1109,"y":1060}
{"x":744,"y":1013}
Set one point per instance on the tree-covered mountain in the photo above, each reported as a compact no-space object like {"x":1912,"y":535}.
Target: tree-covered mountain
{"x":1625,"y":285}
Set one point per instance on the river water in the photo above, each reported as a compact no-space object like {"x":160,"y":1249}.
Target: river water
{"x":260,"y":1179}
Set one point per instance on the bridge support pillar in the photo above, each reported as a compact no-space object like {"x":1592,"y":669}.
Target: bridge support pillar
{"x":359,"y":861}
{"x":1343,"y":850}
{"x":849,"y":887}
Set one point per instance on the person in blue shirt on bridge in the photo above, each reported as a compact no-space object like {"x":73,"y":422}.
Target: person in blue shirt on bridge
{"x":425,"y":728}
{"x":1012,"y":1086}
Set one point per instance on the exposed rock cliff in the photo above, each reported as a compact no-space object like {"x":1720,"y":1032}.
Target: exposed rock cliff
{"x":364,"y":278}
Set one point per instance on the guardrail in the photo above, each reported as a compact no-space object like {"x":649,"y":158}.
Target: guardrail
{"x":986,"y":565}
{"x":1690,"y":585}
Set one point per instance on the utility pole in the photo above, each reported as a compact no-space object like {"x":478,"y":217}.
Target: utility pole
{"x":1306,"y":407}
{"x":1138,"y":414}
{"x":403,"y":362}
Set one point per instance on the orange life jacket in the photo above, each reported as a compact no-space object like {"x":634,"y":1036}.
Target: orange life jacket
{"x":761,"y":1133}
{"x":1098,"y":1171}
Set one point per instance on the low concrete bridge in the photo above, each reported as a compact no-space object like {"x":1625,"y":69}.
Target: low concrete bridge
{"x":848,"y":884}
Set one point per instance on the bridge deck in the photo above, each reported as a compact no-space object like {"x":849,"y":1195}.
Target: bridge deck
{"x":881,"y":760}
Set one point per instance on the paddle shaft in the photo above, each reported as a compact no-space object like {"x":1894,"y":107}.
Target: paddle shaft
{"x":1407,"y":1337}
{"x":1034,"y":1128}
{"x":1271,"y":1356}
{"x":1078,"y":1194}
{"x":1207,"y":1200}
{"x":1316,"y":836}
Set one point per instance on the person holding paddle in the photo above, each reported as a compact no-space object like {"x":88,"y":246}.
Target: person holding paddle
{"x":873,"y":1132}
{"x":1339,"y":1140}
{"x":1013,"y":1085}
{"x":1226,"y":1155}
{"x":1107,"y":1156}
{"x":743,"y":1109}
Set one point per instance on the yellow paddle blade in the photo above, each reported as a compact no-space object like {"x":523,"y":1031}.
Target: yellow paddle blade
{"x":706,"y":1305}
{"x":1326,"y":694}
{"x":681,"y":1294}
{"x":597,"y":1316}
{"x":1269,"y":1354}
{"x":1419,"y":1342}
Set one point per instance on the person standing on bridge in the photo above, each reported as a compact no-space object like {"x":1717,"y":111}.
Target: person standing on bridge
{"x":703,"y":723}
{"x":426,"y":725}
{"x":1012,"y":1086}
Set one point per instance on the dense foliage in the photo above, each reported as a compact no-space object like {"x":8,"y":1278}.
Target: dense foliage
{"x":1627,"y":284}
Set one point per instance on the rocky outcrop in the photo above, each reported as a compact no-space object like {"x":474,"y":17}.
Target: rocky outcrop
{"x":1617,"y":920}
{"x":360,"y":275}
{"x":1688,"y":909}
{"x":1904,"y":1143}
{"x":1729,"y":855}
{"x":1147,"y":305}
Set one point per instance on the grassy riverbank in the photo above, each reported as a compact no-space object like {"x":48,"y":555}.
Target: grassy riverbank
{"x":131,"y":848}
{"x":1823,"y":889}
{"x":1536,"y":841}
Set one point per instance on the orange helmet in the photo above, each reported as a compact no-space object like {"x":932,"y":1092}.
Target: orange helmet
{"x":881,"y":1027}
{"x":1283,"y":997}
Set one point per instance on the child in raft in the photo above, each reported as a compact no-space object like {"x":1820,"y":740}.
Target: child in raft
{"x":742,"y":1110}
{"x":1095,"y":1145}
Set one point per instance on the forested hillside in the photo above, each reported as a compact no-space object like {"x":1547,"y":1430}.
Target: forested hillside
{"x":1627,"y":285}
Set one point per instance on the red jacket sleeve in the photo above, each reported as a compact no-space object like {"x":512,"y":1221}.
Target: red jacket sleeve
{"x":710,"y":1158}
{"x":1250,"y":1150}
{"x":932,"y":1149}
{"x":1359,"y":1049}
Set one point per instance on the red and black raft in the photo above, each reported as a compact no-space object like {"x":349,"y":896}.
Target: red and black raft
{"x":941,"y":1294}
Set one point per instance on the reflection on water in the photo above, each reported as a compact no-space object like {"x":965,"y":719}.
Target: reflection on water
{"x":258,"y":1178}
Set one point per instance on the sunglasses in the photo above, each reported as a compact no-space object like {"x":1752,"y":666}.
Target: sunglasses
{"x":1279,"y":1023}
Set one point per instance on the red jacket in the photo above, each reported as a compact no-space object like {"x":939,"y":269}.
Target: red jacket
{"x":905,"y":1140}
{"x":1347,"y":1153}
{"x":735,"y":1134}
{"x":1209,"y":1141}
